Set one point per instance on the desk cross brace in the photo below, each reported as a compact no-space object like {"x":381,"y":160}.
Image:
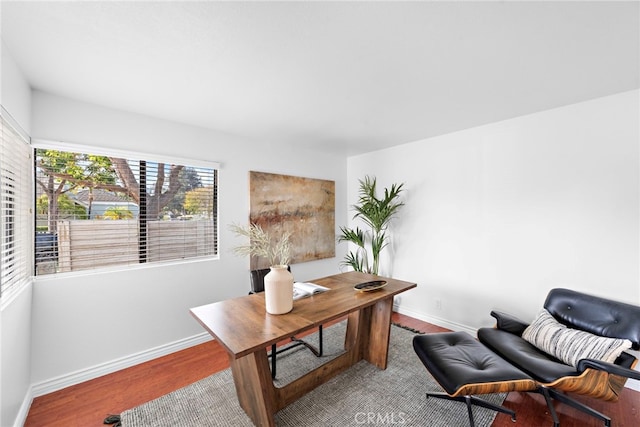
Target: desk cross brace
{"x":296,"y":342}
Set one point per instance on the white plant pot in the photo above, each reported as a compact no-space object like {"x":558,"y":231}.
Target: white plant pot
{"x":278,"y":290}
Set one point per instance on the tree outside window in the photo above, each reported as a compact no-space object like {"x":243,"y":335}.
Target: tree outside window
{"x":103,"y":210}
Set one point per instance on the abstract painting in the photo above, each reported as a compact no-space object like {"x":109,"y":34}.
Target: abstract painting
{"x":303,"y":206}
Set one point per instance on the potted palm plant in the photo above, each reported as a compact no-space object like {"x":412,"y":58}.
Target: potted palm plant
{"x":278,"y":283}
{"x":376,"y":214}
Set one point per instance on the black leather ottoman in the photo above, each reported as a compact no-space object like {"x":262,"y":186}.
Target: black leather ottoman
{"x":464,"y":367}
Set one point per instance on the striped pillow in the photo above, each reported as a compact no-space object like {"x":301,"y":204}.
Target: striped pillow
{"x":571,"y":345}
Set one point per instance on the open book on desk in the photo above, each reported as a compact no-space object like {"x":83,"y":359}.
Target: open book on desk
{"x":306,"y":289}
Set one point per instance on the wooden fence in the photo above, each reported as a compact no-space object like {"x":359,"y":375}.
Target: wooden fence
{"x":85,"y":244}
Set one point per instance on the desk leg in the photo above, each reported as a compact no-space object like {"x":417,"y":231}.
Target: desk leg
{"x":368,"y":332}
{"x":254,"y":387}
{"x":376,"y":350}
{"x":356,"y":334}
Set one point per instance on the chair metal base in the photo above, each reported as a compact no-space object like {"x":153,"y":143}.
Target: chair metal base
{"x":550,"y":393}
{"x":472,"y":400}
{"x":296,"y":342}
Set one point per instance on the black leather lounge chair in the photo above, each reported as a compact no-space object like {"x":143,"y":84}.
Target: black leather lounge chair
{"x":571,"y":313}
{"x":577,"y":344}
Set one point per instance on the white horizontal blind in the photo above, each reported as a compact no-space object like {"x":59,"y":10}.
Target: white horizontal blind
{"x":95,"y":211}
{"x":15,"y":204}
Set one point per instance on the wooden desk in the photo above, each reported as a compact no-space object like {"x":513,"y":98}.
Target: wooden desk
{"x":245,"y":329}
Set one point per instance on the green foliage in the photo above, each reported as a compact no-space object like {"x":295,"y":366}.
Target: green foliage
{"x":118,"y":212}
{"x":376,"y":214}
{"x":357,"y":259}
{"x":66,"y":207}
{"x":199,"y":201}
{"x":354,"y":260}
{"x":59,"y":172}
{"x":189,"y":180}
{"x":87,"y":168}
{"x":99,"y":169}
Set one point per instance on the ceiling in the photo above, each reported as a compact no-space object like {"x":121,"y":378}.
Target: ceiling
{"x":346,"y":76}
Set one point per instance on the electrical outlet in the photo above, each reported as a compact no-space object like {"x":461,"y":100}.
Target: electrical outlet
{"x":438,"y":304}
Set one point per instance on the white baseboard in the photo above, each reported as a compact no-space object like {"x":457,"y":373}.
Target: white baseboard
{"x":21,"y":418}
{"x":436,"y":320}
{"x":83,"y":375}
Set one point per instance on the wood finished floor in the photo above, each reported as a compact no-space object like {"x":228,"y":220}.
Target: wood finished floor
{"x":88,"y":403}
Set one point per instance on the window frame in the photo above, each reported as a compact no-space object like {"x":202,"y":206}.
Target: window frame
{"x":143,"y":156}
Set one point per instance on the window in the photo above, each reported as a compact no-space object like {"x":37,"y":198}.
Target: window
{"x":95,"y":210}
{"x":15,"y":204}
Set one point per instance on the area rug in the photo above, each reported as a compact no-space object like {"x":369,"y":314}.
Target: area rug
{"x":362,"y":395}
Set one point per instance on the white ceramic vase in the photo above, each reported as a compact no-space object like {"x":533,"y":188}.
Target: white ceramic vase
{"x":278,"y":290}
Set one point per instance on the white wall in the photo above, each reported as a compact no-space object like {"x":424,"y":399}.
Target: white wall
{"x":84,"y":321}
{"x":15,"y":373}
{"x":497,"y":215}
{"x":15,"y":311}
{"x":15,"y":93}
